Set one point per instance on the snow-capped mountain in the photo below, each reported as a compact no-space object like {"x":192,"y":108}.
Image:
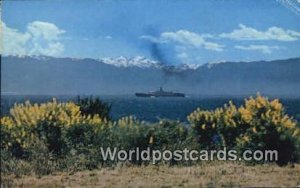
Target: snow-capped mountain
{"x":213,"y":63}
{"x":51,"y":75}
{"x":143,"y":62}
{"x":138,"y":61}
{"x":120,"y":62}
{"x":188,"y":66}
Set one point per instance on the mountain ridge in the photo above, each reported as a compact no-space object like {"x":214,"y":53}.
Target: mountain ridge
{"x":50,"y":75}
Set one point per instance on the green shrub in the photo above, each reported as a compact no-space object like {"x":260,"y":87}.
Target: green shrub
{"x":94,"y":106}
{"x":171,"y":135}
{"x":81,"y":135}
{"x":127,"y":133}
{"x":86,"y":140}
{"x":167,"y":135}
{"x":41,"y":160}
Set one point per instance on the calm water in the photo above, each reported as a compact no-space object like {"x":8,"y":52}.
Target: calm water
{"x":153,"y":109}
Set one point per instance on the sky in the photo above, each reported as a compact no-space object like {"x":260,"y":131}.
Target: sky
{"x":174,"y":31}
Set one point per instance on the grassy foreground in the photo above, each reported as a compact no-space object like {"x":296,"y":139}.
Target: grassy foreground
{"x":210,"y":174}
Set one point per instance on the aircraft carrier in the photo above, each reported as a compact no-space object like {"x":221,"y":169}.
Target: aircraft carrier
{"x":160,"y":93}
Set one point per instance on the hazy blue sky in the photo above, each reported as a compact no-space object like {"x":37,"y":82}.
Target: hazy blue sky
{"x":189,"y":31}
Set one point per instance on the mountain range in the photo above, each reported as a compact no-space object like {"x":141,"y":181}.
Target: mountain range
{"x":52,"y":76}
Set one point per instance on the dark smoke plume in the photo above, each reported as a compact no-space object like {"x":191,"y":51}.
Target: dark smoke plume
{"x":165,"y":55}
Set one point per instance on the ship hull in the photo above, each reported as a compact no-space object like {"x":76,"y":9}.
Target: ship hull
{"x":159,"y":95}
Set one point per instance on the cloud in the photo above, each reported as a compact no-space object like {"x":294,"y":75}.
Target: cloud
{"x":186,"y":38}
{"x":262,"y":48}
{"x":272,"y":33}
{"x":40,"y":38}
{"x":45,"y":30}
{"x":191,"y":39}
{"x":13,"y":41}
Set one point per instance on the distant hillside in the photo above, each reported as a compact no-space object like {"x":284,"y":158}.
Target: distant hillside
{"x":48,"y":75}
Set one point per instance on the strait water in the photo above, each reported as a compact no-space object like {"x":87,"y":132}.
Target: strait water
{"x":153,"y":109}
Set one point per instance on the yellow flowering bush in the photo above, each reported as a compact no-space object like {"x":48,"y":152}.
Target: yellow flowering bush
{"x":258,"y":124}
{"x":268,"y":127}
{"x":61,"y":113}
{"x":217,"y":127}
{"x":205,"y":124}
{"x":28,"y":121}
{"x":228,"y":124}
{"x":260,"y":113}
